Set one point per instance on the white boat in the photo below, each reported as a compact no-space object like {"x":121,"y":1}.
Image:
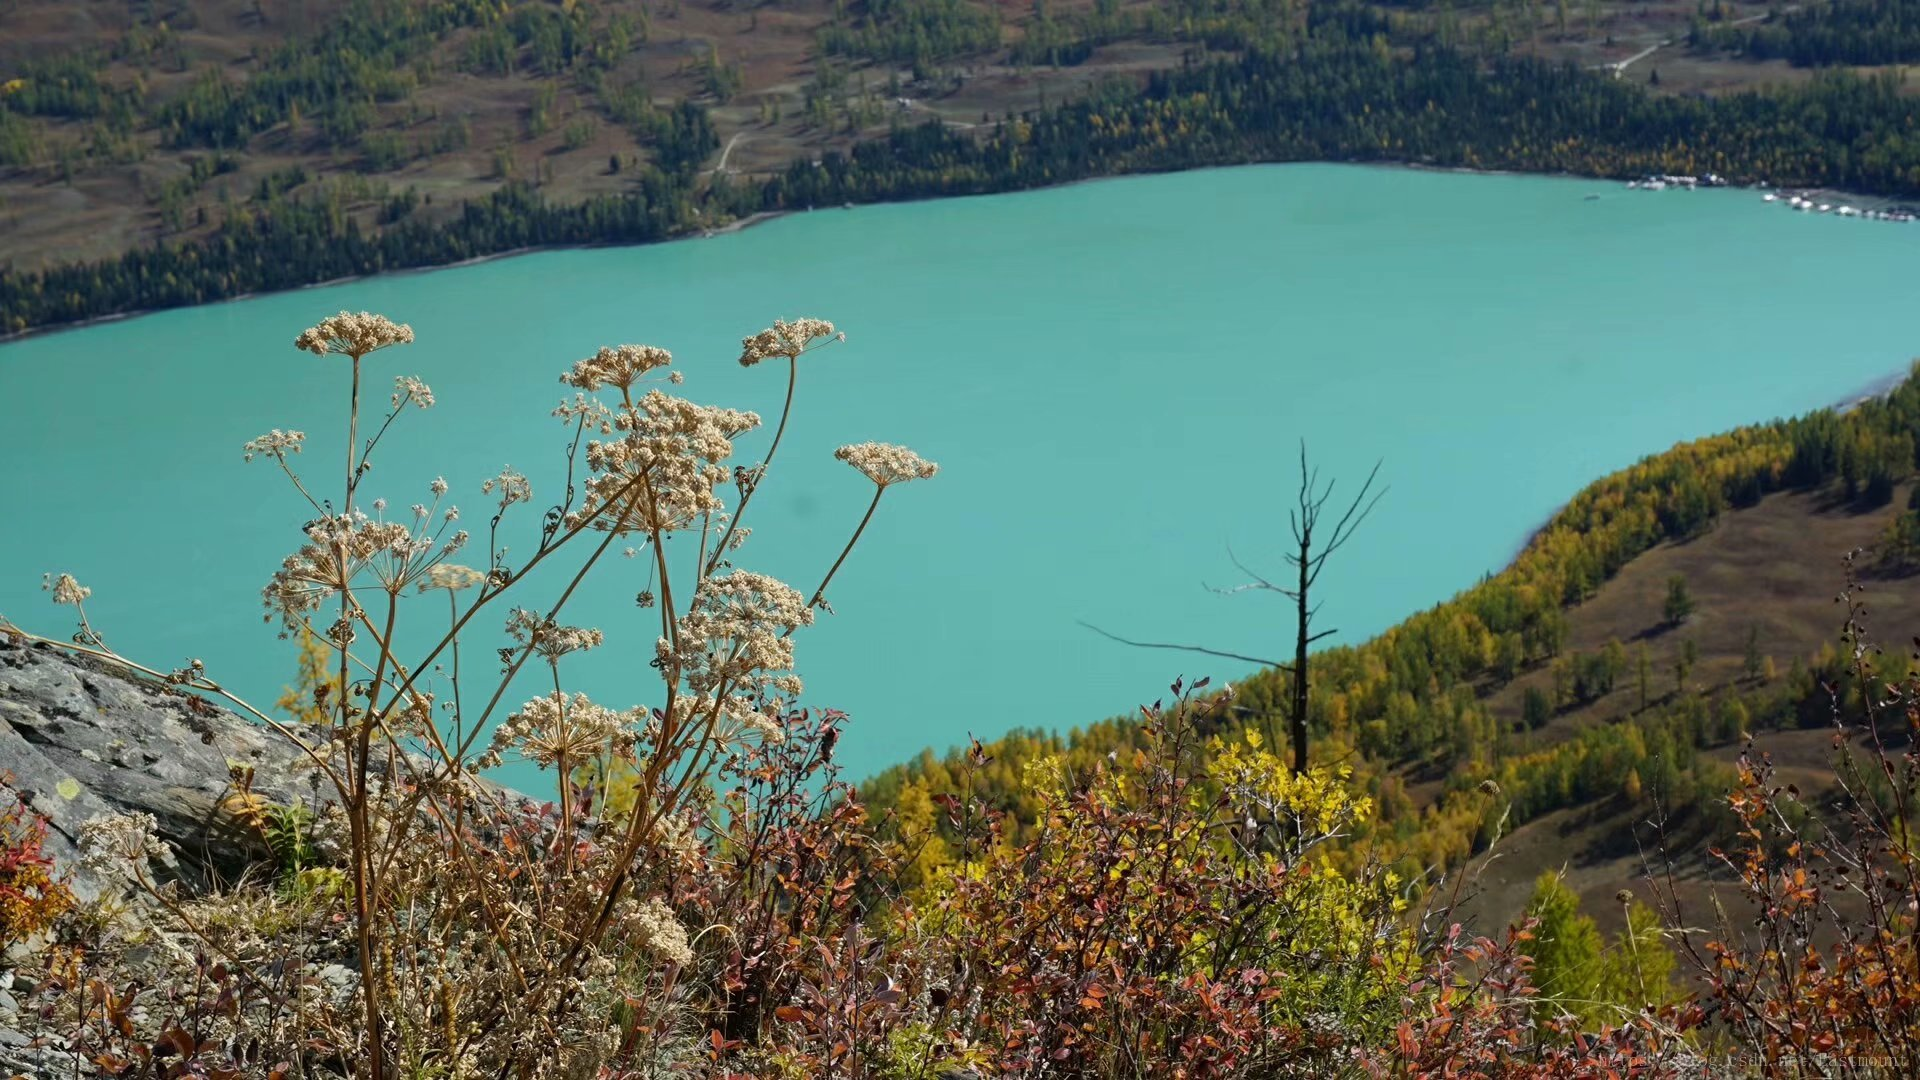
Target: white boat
{"x":1826,"y":207}
{"x":1769,"y":197}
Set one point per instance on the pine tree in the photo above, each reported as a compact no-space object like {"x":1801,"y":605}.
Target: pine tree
{"x":1679,"y":602}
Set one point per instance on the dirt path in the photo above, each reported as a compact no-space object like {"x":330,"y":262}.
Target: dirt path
{"x":1620,"y":67}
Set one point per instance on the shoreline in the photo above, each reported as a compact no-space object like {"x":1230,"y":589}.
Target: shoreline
{"x":763,"y":216}
{"x":759,"y":217}
{"x":1875,"y":390}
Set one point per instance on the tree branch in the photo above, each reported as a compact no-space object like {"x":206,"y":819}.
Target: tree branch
{"x":1182,"y":648}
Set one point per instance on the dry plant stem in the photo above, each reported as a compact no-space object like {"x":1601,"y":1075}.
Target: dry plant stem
{"x":457,"y":755}
{"x":356,"y":808}
{"x":759,"y":473}
{"x":820,"y":593}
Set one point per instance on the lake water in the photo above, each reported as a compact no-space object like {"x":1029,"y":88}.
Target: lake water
{"x":1114,"y":378}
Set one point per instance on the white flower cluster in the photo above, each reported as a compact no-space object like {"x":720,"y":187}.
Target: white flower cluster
{"x":659,"y":931}
{"x":338,"y":549}
{"x":111,"y":842}
{"x":735,"y":642}
{"x":788,"y":339}
{"x":64,"y":588}
{"x":412,"y":390}
{"x":548,"y":638}
{"x":885,"y":464}
{"x":664,"y":470}
{"x":276,"y":443}
{"x":347,"y":334}
{"x":556,"y":726}
{"x":450,"y":576}
{"x":512,"y":486}
{"x":618,"y":366}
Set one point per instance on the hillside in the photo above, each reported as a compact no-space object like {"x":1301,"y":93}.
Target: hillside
{"x":1775,"y":567}
{"x":212,"y":128}
{"x":1433,"y":716}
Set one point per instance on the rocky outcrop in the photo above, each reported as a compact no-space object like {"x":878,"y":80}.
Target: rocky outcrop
{"x":79,"y":739}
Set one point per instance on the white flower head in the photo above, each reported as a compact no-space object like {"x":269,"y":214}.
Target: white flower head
{"x":788,"y":339}
{"x":885,"y":464}
{"x":512,"y":486}
{"x":112,"y":842}
{"x":64,"y":588}
{"x":616,"y":365}
{"x":276,"y":444}
{"x":660,"y":932}
{"x":555,"y":726}
{"x":450,"y":576}
{"x":348,"y":334}
{"x":409,"y":389}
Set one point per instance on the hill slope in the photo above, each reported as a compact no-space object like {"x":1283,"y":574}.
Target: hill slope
{"x":1434,"y":719}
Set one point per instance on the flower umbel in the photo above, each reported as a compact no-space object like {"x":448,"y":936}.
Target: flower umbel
{"x":409,"y":389}
{"x":788,"y":339}
{"x":618,"y":366}
{"x":276,"y":444}
{"x":556,"y":726}
{"x":108,"y":843}
{"x":886,"y":464}
{"x":450,"y":576}
{"x":348,"y":334}
{"x":65,"y":589}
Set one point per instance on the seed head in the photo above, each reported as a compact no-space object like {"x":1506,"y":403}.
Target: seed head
{"x":788,"y":339}
{"x":347,"y":334}
{"x":885,"y":464}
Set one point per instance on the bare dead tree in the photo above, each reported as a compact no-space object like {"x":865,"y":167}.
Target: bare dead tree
{"x":1311,"y":550}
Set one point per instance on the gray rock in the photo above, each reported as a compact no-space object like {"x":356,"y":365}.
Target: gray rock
{"x":81,"y":738}
{"x":72,"y":729}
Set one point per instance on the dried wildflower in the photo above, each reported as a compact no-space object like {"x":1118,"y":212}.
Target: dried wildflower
{"x":886,"y":464}
{"x":591,"y":412}
{"x":276,"y":443}
{"x":659,"y":931}
{"x":735,"y":641}
{"x":665,"y":469}
{"x":513,"y":487}
{"x":618,"y":366}
{"x":438,"y":487}
{"x":347,"y":334}
{"x":1488,"y":787}
{"x":412,"y":390}
{"x":111,"y":842}
{"x":450,"y":576}
{"x":65,"y":589}
{"x":553,"y":726}
{"x":788,"y":339}
{"x":339,"y":549}
{"x":548,"y":638}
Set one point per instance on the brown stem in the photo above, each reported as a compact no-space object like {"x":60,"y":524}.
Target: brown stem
{"x":760,"y":472}
{"x":819,"y":594}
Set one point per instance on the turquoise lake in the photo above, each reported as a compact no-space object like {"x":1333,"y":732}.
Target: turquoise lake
{"x":1114,"y":378}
